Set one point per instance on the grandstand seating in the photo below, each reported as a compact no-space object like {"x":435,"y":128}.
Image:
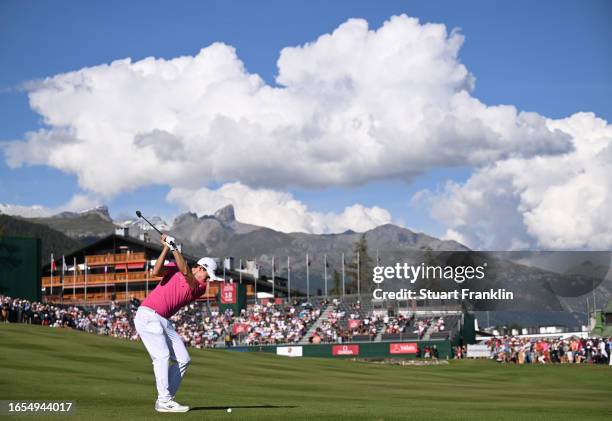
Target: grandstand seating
{"x":319,"y":321}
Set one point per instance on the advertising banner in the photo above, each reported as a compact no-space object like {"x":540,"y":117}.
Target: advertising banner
{"x":478,"y":351}
{"x":289,"y":351}
{"x":341,"y":350}
{"x":404,"y":348}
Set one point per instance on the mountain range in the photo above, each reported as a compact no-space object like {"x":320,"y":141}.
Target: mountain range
{"x":221,"y":234}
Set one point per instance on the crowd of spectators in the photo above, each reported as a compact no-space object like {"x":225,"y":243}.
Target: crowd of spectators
{"x":345,"y":323}
{"x":338,"y":329}
{"x":198,"y":325}
{"x":113,"y":321}
{"x":269,"y":324}
{"x":397,"y":325}
{"x":551,"y":351}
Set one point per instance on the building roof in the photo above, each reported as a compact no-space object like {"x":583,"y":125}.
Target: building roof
{"x":116,"y":241}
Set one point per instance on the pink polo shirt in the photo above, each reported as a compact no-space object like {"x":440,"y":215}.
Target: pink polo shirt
{"x":172,"y":293}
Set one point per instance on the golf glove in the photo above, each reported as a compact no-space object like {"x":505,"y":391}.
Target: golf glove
{"x":170,"y":242}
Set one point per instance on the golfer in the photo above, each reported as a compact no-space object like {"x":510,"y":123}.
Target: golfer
{"x":178,"y":287}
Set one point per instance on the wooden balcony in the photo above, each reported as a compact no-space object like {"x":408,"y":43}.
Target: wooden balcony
{"x":112,"y":259}
{"x":96,"y":295}
{"x":97,"y":279}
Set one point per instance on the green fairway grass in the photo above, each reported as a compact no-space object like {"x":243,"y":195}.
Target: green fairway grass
{"x":112,"y":379}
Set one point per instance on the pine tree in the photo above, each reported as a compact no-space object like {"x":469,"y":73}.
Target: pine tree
{"x":337,"y":281}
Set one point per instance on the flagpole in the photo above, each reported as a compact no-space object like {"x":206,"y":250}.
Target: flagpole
{"x":126,"y":278}
{"x":255,"y":279}
{"x":358,"y":279}
{"x":52,"y":265}
{"x":288,"y":278}
{"x":105,"y":282}
{"x":85,"y":297}
{"x":307,"y":278}
{"x":325,"y":256}
{"x":240,"y":271}
{"x":273,"y":290}
{"x":74,"y":266}
{"x":63,"y":275}
{"x":343,"y":289}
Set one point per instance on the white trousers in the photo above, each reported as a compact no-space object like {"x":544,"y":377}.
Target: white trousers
{"x":167,"y":350}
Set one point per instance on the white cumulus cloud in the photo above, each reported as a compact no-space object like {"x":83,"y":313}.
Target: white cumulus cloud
{"x":546,"y":202}
{"x":277,"y":210}
{"x":353,"y":106}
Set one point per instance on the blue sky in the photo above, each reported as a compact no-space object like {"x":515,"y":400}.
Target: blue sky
{"x":550,"y":57}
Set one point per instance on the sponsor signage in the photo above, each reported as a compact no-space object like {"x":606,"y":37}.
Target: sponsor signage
{"x":289,"y":351}
{"x":478,"y":351}
{"x":339,"y":350}
{"x":404,"y":348}
{"x":228,"y":293}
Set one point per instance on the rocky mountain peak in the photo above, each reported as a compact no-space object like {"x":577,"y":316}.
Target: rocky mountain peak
{"x":226,"y":214}
{"x":101,"y":211}
{"x":185,"y":217}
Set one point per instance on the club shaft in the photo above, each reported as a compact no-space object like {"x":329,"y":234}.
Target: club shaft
{"x":152,"y":226}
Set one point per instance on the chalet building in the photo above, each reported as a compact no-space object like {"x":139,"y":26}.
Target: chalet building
{"x":118,"y":267}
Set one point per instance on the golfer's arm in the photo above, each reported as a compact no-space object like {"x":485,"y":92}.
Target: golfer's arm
{"x":183,"y":268}
{"x":160,"y":262}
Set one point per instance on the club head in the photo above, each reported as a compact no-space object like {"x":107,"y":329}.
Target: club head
{"x":138,"y":214}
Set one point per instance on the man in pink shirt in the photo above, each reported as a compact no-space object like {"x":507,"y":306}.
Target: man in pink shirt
{"x":180,"y":286}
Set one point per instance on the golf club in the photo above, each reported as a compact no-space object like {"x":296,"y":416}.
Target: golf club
{"x":140,"y":215}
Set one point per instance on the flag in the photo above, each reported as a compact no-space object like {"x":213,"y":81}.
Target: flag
{"x":64,"y":268}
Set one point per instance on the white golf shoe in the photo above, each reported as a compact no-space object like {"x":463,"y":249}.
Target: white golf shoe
{"x":170,"y":406}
